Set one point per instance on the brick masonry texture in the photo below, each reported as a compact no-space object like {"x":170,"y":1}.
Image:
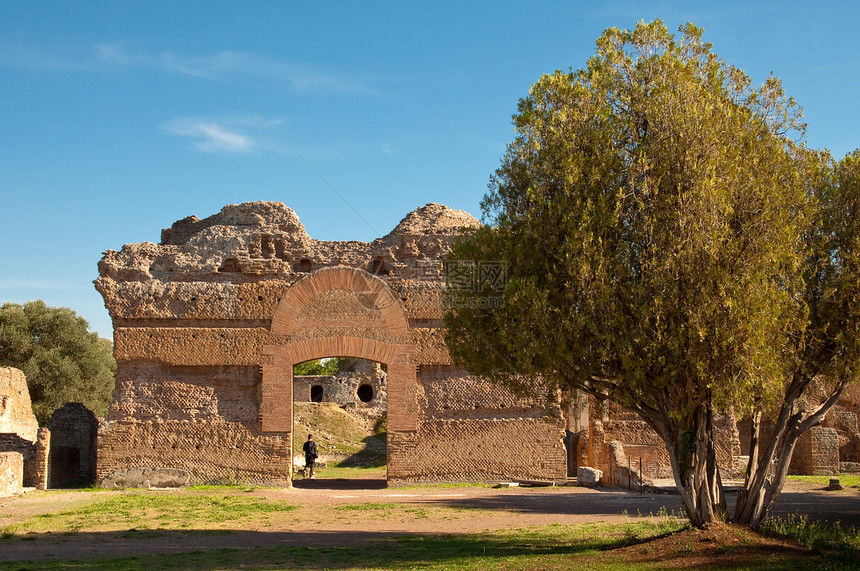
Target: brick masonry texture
{"x":73,"y":454}
{"x":209,"y":323}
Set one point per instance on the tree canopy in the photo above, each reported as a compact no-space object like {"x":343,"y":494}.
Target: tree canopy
{"x":329,"y":366}
{"x":661,"y":221}
{"x":62,"y":360}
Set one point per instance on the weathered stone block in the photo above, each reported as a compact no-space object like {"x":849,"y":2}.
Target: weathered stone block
{"x":586,"y":476}
{"x":11,"y":473}
{"x":146,"y":478}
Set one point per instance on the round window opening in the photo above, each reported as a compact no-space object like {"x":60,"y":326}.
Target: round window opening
{"x":364,"y":393}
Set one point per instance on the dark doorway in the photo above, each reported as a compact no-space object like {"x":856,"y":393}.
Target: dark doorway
{"x":317,"y":393}
{"x":364,"y":393}
{"x":64,"y":469}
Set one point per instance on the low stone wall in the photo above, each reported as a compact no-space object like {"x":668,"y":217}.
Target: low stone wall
{"x":26,"y":449}
{"x":623,"y":472}
{"x":146,"y":478}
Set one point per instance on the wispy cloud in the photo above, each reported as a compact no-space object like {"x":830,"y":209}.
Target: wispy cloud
{"x":228,"y":65}
{"x":26,"y":283}
{"x":211,"y":136}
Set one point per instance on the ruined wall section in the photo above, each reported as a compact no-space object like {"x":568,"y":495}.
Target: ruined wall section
{"x":193,"y":318}
{"x":73,"y":455}
{"x":19,"y":432}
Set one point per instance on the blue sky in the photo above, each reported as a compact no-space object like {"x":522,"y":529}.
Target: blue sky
{"x":119,"y":118}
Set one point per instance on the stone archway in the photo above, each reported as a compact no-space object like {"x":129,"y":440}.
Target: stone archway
{"x":340,"y":312}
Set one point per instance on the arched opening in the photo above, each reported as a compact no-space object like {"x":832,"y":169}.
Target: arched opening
{"x":364,"y":393}
{"x":346,"y":414}
{"x":305,"y":265}
{"x":309,"y":322}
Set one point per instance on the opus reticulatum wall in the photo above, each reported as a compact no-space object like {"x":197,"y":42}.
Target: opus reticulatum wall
{"x":209,"y":323}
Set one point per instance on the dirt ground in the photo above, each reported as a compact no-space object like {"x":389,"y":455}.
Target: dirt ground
{"x":419,"y":510}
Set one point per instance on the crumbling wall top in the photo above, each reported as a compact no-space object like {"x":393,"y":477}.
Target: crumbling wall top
{"x":258,"y":216}
{"x":435,"y":219}
{"x":262,"y":240}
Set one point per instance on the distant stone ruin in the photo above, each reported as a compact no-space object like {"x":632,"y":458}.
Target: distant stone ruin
{"x":363,"y":385}
{"x":23,"y":445}
{"x":209,"y":324}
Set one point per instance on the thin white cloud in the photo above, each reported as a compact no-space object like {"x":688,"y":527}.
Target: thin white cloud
{"x":25,"y":283}
{"x":228,"y":65}
{"x":210,"y":136}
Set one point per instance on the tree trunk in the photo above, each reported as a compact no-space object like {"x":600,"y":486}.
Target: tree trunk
{"x":768,"y":467}
{"x":690,"y":444}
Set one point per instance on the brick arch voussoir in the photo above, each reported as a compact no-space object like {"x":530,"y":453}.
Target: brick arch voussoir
{"x":350,"y":279}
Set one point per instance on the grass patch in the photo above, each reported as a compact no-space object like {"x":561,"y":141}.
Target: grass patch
{"x":144,"y":510}
{"x":9,"y":531}
{"x":847,"y":480}
{"x":815,"y":535}
{"x":338,"y":470}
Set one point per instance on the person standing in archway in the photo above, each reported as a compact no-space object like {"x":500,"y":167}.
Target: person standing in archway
{"x":310,"y":449}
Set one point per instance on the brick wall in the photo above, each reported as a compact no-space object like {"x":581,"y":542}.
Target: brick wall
{"x":816,"y":453}
{"x":209,"y":450}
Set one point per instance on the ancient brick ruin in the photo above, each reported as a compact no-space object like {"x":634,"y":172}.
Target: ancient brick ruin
{"x":23,"y":445}
{"x":209,"y":324}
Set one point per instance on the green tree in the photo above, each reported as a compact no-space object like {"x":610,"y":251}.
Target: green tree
{"x":62,"y":360}
{"x":329,"y":366}
{"x":654,"y":213}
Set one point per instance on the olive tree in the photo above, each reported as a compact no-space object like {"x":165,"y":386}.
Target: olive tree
{"x":657,"y":215}
{"x":62,"y":360}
